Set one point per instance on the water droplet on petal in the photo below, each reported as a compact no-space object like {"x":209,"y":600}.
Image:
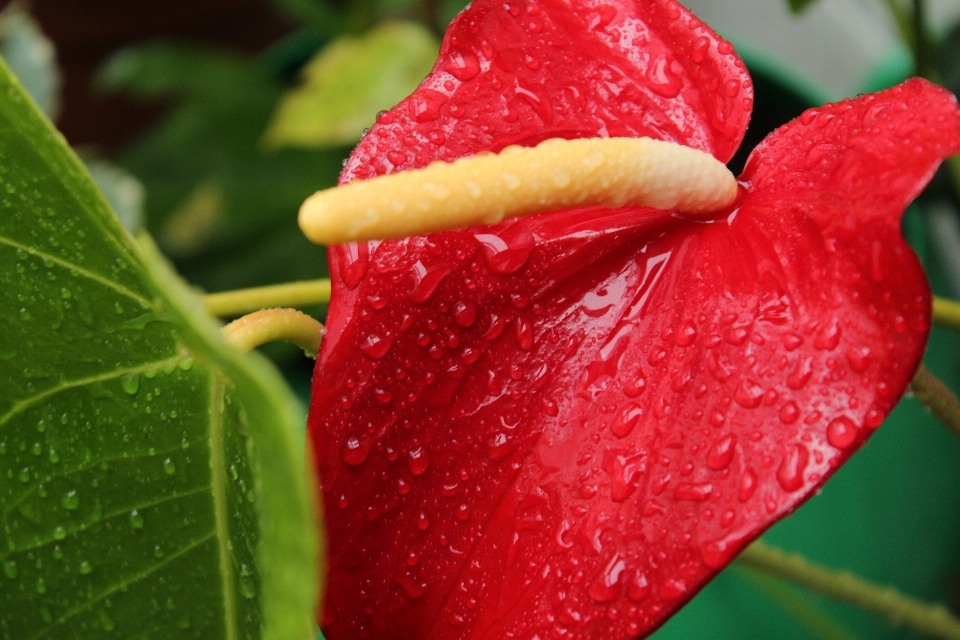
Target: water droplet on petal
{"x":418,"y":461}
{"x":607,"y":585}
{"x":721,"y":454}
{"x":525,"y":333}
{"x":354,"y":451}
{"x":626,"y":421}
{"x":842,"y":432}
{"x":792,"y":467}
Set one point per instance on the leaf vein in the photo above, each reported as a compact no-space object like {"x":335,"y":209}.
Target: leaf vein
{"x":125,"y":583}
{"x":84,"y":272}
{"x":73,"y":384}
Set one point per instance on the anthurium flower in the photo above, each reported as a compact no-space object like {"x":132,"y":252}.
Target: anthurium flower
{"x":564,"y":425}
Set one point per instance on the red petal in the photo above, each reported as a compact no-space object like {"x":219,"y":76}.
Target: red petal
{"x":568,"y":424}
{"x":522,"y":71}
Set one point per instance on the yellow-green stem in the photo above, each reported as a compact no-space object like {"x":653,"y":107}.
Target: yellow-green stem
{"x":931,"y":619}
{"x":270,"y":325}
{"x":946,"y":312}
{"x":292,"y":294}
{"x":938,"y":398}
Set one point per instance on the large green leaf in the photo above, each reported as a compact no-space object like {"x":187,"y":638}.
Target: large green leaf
{"x":220,"y":205}
{"x":349,"y":81}
{"x":151,"y":477}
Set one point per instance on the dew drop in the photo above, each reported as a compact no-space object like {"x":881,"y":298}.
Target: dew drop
{"x":136,"y":520}
{"x":524,"y":333}
{"x":748,"y":485}
{"x":841,"y":432}
{"x":638,"y":588}
{"x":718,"y":553}
{"x":418,"y":461}
{"x":749,"y":394}
{"x":465,"y":314}
{"x":59,"y":533}
{"x":626,"y":470}
{"x":829,"y":337}
{"x":354,"y":452}
{"x":693,"y":491}
{"x":626,"y":421}
{"x":375,"y":347}
{"x":85,"y":567}
{"x":463,"y":66}
{"x":499,"y":447}
{"x":70,"y":500}
{"x":169,"y":467}
{"x":792,"y":467}
{"x":246,"y":587}
{"x":685,"y":334}
{"x":607,"y":585}
{"x":427,"y":280}
{"x":789,"y":413}
{"x":10,"y":569}
{"x":721,"y":454}
{"x":635,"y":387}
{"x":423,"y":522}
{"x":673,"y":589}
{"x":130,"y":383}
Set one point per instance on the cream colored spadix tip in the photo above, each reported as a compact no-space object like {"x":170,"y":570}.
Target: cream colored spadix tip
{"x":487,"y":188}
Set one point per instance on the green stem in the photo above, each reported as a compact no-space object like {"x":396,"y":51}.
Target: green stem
{"x":947,"y":312}
{"x":796,"y":603}
{"x":270,"y":325}
{"x":938,"y":398}
{"x":294,"y":294}
{"x":932,"y":619}
{"x":921,"y":40}
{"x":904,"y":23}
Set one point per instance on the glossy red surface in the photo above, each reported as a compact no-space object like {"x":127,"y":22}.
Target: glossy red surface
{"x":563,"y":426}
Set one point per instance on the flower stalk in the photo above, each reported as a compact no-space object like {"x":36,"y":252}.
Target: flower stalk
{"x":932,"y":619}
{"x":305,"y":293}
{"x":270,"y":325}
{"x":938,"y":398}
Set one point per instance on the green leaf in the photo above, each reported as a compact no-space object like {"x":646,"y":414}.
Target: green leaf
{"x":152,"y":480}
{"x":216,"y":201}
{"x":123,"y":192}
{"x":348,"y":82}
{"x":799,"y":6}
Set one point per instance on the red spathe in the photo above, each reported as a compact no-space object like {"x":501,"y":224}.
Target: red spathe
{"x":563,"y":426}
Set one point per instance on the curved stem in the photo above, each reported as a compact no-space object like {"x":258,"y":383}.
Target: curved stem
{"x":938,"y":398}
{"x":270,"y":325}
{"x":293,"y":294}
{"x":932,"y":619}
{"x":946,"y":312}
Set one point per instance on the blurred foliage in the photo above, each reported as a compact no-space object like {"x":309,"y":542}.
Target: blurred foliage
{"x":31,"y":57}
{"x":348,"y":82}
{"x":948,"y":59}
{"x":798,"y":6}
{"x":219,"y":204}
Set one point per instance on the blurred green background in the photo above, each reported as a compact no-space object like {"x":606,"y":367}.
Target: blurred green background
{"x":209,"y":121}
